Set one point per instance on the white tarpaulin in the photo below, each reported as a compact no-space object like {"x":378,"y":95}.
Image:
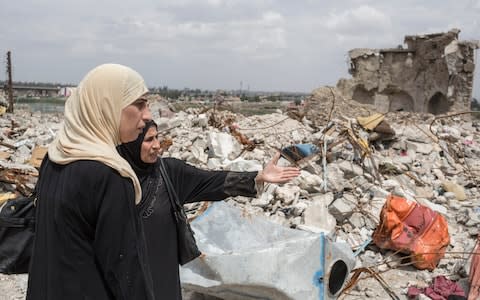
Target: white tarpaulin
{"x":249,"y":257}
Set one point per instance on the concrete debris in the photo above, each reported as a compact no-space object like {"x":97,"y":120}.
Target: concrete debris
{"x":342,"y":208}
{"x":341,"y":189}
{"x":454,"y":189}
{"x":308,"y":182}
{"x":316,"y":216}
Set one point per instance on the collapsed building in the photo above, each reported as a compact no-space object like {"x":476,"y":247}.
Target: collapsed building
{"x":433,"y":74}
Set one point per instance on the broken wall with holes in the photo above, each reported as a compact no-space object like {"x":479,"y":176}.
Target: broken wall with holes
{"x":433,"y":74}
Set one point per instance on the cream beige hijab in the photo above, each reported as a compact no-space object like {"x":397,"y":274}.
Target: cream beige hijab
{"x":91,"y":129}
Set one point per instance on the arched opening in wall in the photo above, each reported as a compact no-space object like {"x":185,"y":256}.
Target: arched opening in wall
{"x":438,"y":104}
{"x":360,"y":94}
{"x":401,"y":101}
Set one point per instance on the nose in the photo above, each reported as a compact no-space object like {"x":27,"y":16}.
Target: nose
{"x":146,"y":114}
{"x":156,"y":144}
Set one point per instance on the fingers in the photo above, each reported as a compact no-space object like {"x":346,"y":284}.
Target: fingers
{"x":285,"y":175}
{"x":291,"y":169}
{"x":284,"y":180}
{"x":290,"y":172}
{"x":276,"y":174}
{"x":289,"y":177}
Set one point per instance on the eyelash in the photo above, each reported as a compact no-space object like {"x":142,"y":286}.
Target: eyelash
{"x":141,"y":105}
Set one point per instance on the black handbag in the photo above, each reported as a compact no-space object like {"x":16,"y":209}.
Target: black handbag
{"x":186,"y":244}
{"x":17,"y":230}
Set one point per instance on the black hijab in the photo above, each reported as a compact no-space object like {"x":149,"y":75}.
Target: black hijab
{"x":145,"y":171}
{"x":131,"y":152}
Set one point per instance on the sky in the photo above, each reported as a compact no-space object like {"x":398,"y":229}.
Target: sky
{"x":260,"y":45}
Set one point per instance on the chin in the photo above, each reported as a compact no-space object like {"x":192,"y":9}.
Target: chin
{"x":129,"y":140}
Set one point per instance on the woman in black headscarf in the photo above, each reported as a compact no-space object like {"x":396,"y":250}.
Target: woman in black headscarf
{"x":191,"y":185}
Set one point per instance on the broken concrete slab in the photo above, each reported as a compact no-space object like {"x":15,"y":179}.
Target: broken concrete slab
{"x":223,"y":145}
{"x":455,"y":188}
{"x":342,"y":208}
{"x":349,"y":169}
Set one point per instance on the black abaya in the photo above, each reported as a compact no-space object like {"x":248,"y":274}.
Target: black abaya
{"x":88,"y":241}
{"x":191,"y":185}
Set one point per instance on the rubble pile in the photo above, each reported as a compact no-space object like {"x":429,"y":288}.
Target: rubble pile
{"x":343,"y":184}
{"x":327,"y":102}
{"x":434,"y":163}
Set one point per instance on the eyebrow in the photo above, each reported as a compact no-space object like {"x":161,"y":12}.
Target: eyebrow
{"x":141,"y":99}
{"x":141,"y":103}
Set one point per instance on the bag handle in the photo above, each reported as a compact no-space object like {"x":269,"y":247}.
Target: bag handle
{"x":172,"y":195}
{"x":20,"y":222}
{"x":16,"y":222}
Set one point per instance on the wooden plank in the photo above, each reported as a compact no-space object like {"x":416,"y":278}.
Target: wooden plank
{"x":37,"y":156}
{"x":5,"y":155}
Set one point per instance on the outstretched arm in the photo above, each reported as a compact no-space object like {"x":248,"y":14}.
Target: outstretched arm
{"x":193,"y":184}
{"x":275,"y":174}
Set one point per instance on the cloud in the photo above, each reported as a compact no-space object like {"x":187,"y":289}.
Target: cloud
{"x":290,"y":45}
{"x":364,"y":19}
{"x":215,"y":2}
{"x":254,"y":38}
{"x":258,"y":39}
{"x":358,"y":27}
{"x":476,"y":4}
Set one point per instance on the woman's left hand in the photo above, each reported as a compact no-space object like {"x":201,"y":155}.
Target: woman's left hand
{"x":275,"y":174}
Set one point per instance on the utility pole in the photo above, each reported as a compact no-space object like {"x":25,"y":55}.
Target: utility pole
{"x":9,"y":83}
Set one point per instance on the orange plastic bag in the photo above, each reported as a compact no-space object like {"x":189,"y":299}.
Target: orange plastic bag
{"x":412,"y":229}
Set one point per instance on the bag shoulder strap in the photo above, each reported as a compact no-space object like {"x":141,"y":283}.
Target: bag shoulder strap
{"x":170,"y":190}
{"x":34,"y":194}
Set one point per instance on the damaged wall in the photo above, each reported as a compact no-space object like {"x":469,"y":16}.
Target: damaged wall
{"x":433,"y":74}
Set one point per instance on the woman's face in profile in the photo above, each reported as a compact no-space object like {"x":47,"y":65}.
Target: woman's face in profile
{"x":150,"y":146}
{"x":133,"y":118}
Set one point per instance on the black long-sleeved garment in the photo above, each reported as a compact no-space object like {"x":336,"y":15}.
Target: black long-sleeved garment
{"x":88,"y":241}
{"x":191,"y":185}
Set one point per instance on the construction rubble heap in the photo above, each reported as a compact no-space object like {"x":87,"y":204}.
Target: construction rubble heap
{"x":357,"y":158}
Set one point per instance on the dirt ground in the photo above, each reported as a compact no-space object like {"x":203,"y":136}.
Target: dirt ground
{"x":13,"y":287}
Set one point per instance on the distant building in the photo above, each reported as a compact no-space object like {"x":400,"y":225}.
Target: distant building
{"x":21,"y":90}
{"x":433,"y":74}
{"x":65,"y":91}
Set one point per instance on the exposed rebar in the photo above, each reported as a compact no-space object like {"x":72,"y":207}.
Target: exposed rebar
{"x":9,"y":83}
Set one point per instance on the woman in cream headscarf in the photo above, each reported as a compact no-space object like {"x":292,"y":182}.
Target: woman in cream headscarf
{"x":88,"y":240}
